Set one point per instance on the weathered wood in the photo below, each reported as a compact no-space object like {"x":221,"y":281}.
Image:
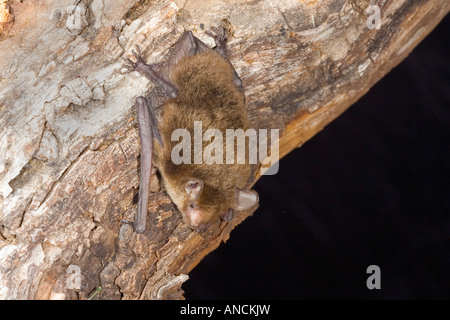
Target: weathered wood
{"x":68,"y":138}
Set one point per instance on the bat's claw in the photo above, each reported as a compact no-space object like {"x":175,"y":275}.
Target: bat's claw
{"x":137,"y":53}
{"x":131,"y":65}
{"x":219,"y":34}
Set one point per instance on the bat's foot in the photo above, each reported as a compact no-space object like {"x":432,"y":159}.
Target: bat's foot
{"x":220,"y":37}
{"x":219,"y":34}
{"x":139,"y":63}
{"x":149,"y":71}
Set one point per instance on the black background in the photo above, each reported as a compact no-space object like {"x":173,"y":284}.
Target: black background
{"x":371,"y":188}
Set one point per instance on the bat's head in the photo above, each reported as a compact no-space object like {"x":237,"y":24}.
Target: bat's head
{"x":203,"y":204}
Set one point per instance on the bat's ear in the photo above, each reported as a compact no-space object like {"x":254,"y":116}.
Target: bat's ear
{"x":228,"y":215}
{"x":194,"y":188}
{"x":244,"y":199}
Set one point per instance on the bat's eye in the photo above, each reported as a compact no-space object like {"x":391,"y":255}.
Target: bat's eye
{"x":192,"y":205}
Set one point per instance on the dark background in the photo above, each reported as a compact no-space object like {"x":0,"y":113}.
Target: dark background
{"x":371,"y":188}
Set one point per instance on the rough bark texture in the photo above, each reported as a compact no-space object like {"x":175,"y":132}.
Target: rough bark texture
{"x":68,"y":138}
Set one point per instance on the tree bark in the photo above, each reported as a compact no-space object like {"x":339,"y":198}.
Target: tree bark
{"x":68,"y":136}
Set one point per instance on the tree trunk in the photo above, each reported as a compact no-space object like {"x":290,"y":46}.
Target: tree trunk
{"x":68,"y":136}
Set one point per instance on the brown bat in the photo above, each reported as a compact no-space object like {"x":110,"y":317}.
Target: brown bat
{"x":193,"y":83}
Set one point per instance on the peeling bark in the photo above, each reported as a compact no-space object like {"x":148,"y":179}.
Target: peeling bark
{"x":68,"y":137}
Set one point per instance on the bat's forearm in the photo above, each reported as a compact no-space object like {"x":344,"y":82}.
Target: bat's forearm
{"x":146,"y":139}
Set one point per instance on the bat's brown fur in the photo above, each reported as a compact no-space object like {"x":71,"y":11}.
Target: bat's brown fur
{"x":206,"y":93}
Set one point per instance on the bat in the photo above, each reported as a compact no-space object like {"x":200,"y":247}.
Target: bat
{"x":193,"y":84}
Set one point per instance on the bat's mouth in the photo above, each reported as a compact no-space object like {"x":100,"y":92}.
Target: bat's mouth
{"x":194,"y":218}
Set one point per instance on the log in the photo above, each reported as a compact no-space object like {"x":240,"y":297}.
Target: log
{"x":69,"y":145}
